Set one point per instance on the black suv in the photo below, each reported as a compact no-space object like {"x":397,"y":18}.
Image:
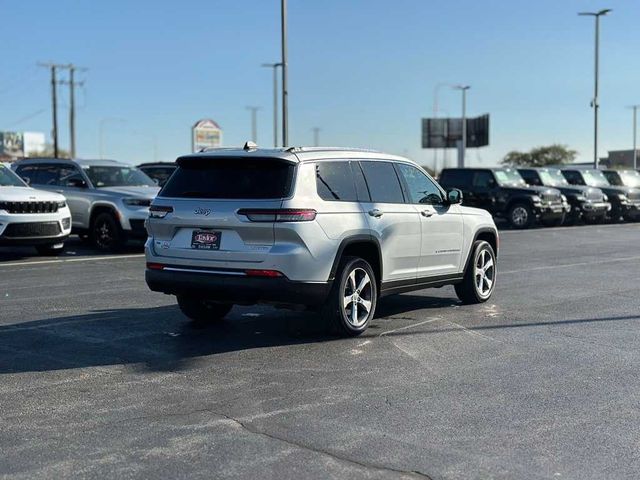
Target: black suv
{"x":587,"y":203}
{"x":625,"y":201}
{"x":159,"y":171}
{"x":504,"y":193}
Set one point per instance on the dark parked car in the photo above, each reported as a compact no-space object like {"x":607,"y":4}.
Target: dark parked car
{"x":504,"y":193}
{"x":158,"y":171}
{"x":588,"y":203}
{"x":625,"y":201}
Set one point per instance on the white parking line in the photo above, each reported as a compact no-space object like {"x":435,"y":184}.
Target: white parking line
{"x":70,"y":260}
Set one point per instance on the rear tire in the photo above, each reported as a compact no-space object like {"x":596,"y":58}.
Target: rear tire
{"x":479,"y":280}
{"x":51,"y":250}
{"x":521,"y":216}
{"x":106,"y":234}
{"x":352,"y":301}
{"x":202,"y":311}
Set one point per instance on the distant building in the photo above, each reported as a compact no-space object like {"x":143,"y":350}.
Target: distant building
{"x":14,"y":145}
{"x":619,"y":159}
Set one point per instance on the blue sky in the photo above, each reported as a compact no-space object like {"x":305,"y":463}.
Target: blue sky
{"x":364,"y":71}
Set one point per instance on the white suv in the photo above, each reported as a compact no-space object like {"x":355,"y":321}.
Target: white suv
{"x":30,"y":217}
{"x":331,"y":229}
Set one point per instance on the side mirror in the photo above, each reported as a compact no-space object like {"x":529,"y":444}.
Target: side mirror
{"x":27,"y":180}
{"x":454,"y":196}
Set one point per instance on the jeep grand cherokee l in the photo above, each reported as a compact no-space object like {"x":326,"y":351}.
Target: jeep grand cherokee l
{"x":30,"y":217}
{"x":330,"y":229}
{"x":503,"y":193}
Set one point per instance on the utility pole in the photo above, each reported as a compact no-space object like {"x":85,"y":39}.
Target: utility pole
{"x":463,"y":143}
{"x":594,"y":102}
{"x":72,"y":106}
{"x":635,"y":132}
{"x":254,"y":123}
{"x":316,"y":136}
{"x":54,"y":103}
{"x":285,"y":92}
{"x":274,"y":66}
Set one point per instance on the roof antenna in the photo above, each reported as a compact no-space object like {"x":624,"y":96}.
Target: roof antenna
{"x":250,"y":146}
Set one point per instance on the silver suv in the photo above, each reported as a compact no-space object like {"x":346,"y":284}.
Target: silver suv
{"x":331,"y":229}
{"x":109,"y":200}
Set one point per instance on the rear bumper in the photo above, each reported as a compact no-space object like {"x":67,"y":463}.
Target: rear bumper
{"x":235,"y":287}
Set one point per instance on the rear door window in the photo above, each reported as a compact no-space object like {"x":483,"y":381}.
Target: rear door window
{"x":334,"y":181}
{"x":230,"y":178}
{"x":456,"y":178}
{"x":384,"y":185}
{"x":483,"y":179}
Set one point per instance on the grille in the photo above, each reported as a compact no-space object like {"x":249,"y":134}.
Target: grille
{"x":594,"y":195}
{"x":29,"y":207}
{"x":550,"y":197}
{"x":32,"y":230}
{"x":634,"y":195}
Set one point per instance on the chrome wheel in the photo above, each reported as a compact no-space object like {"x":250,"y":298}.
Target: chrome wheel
{"x":519,"y":216}
{"x":357,"y":297}
{"x":484,"y":273}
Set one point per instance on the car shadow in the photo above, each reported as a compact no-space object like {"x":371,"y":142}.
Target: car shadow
{"x":74,"y":247}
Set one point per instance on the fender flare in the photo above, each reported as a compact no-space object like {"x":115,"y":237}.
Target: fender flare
{"x":349,"y":241}
{"x":490,"y":230}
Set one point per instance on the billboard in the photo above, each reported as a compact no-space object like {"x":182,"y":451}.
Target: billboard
{"x":447,"y":132}
{"x":205,"y":134}
{"x":34,"y":143}
{"x":11,"y":144}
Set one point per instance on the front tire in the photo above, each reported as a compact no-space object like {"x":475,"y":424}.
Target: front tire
{"x":106,"y":234}
{"x":480,"y":276}
{"x":353,"y":298}
{"x":202,"y":311}
{"x":521,"y":216}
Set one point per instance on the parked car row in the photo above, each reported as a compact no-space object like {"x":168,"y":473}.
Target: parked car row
{"x":549,"y":196}
{"x":104,"y":201}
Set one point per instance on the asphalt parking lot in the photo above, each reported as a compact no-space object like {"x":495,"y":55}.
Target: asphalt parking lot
{"x":101,"y":378}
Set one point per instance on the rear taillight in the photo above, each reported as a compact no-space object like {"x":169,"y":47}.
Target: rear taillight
{"x":280,"y":215}
{"x":155,"y":266}
{"x":159,"y":211}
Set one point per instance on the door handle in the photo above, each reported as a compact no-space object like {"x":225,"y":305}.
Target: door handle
{"x":376,"y":213}
{"x":426,"y":213}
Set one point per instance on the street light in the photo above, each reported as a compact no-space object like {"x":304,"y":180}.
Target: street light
{"x":594,"y":102}
{"x":463,"y":145}
{"x":635,"y":131}
{"x":254,"y":123}
{"x":285,"y":92}
{"x":316,"y":136}
{"x":274,"y":66}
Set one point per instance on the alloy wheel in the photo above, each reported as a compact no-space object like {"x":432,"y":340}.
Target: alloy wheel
{"x":357,"y":297}
{"x":519,"y":216}
{"x":485,"y":273}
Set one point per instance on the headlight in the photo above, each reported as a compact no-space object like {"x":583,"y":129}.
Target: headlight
{"x":605,"y":198}
{"x":62,"y":204}
{"x":137,"y":202}
{"x":536,"y":199}
{"x":581,"y":198}
{"x":623,"y":197}
{"x":563,"y":197}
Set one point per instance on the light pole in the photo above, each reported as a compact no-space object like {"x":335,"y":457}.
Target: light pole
{"x":274,"y":66}
{"x":594,"y":102}
{"x":635,"y":131}
{"x":285,"y":92}
{"x":254,"y":123}
{"x":463,"y":143}
{"x":316,"y":136}
{"x":436,"y":105}
{"x":101,"y":132}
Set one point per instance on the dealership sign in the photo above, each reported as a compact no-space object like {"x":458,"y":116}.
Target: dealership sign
{"x":205,"y":134}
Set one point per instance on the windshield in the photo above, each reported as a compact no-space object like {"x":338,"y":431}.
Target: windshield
{"x":553,"y":178}
{"x":595,"y":178}
{"x":116,"y":176}
{"x":509,"y":178}
{"x":630,"y":178}
{"x":9,"y":179}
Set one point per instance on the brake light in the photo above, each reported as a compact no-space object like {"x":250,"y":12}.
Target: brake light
{"x":280,"y":215}
{"x":159,"y":211}
{"x":263,"y":273}
{"x":155,"y":266}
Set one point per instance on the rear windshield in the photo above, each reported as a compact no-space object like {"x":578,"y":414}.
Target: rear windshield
{"x":232,"y":178}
